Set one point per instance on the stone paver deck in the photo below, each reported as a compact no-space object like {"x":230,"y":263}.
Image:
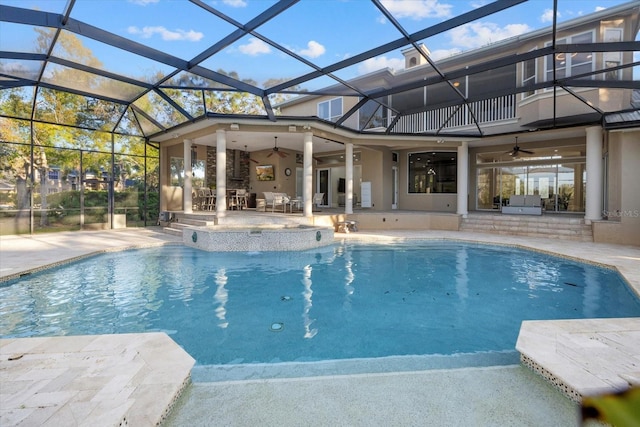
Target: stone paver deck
{"x":583,"y":357}
{"x":91,"y":380}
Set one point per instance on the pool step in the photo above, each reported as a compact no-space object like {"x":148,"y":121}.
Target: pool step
{"x":171,"y":230}
{"x":552,"y":227}
{"x":182,"y":220}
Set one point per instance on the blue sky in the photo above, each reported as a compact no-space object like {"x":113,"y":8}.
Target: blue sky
{"x":322,"y":31}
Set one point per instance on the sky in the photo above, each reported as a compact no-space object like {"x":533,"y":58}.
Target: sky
{"x":320,"y":31}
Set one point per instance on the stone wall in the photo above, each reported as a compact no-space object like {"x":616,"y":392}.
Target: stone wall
{"x":238,"y":171}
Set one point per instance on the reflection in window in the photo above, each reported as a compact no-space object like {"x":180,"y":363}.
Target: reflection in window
{"x":570,"y":64}
{"x":330,"y":110}
{"x":433,"y":172}
{"x":372,"y":115}
{"x":176,"y":170}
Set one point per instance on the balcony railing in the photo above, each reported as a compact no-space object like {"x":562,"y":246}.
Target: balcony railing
{"x":485,"y":111}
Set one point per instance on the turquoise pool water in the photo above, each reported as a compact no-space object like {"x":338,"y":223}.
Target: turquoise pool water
{"x":340,"y":302}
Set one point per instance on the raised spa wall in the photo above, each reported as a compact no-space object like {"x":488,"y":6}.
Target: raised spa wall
{"x":257,"y":239}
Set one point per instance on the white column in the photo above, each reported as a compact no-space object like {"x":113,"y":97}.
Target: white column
{"x":187,"y":199}
{"x":221,"y":172}
{"x":307,"y":174}
{"x":463,"y":179}
{"x":595,"y":185}
{"x":348,"y":153}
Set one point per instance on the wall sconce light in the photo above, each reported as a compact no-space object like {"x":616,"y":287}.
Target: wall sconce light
{"x":292,"y":128}
{"x":234,"y":126}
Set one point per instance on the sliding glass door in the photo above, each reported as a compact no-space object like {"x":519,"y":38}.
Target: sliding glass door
{"x":560,"y":186}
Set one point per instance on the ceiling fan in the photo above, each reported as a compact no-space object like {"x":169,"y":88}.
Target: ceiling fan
{"x":517,"y":150}
{"x":277,"y":150}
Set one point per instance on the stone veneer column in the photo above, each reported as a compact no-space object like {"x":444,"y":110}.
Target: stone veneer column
{"x":463,"y":179}
{"x":348,"y":203}
{"x":595,"y":185}
{"x":307,"y":176}
{"x":187,"y":199}
{"x":221,"y":172}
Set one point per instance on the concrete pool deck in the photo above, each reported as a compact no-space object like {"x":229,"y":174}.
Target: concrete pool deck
{"x":507,"y":395}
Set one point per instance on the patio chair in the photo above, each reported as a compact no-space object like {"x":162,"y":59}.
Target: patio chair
{"x":241,"y":198}
{"x":268,"y":200}
{"x":280,"y":199}
{"x":318,"y":199}
{"x":206,"y":199}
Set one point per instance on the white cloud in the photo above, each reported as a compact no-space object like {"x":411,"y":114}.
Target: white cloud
{"x":254,"y":47}
{"x":477,"y":34}
{"x":418,"y":9}
{"x":599,"y":8}
{"x":313,"y":50}
{"x":379,"y":63}
{"x":547,"y":15}
{"x":168,"y":35}
{"x":235,"y":3}
{"x":143,"y":2}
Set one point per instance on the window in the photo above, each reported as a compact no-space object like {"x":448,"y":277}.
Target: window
{"x":433,"y":172}
{"x":612,"y":59}
{"x":177,"y":172}
{"x":372,"y":115}
{"x":330,"y":110}
{"x":528,"y":75}
{"x":570,"y":64}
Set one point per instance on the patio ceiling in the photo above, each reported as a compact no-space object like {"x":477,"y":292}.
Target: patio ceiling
{"x":131,"y":69}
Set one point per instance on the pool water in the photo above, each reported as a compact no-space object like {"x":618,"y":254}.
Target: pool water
{"x":344,"y":301}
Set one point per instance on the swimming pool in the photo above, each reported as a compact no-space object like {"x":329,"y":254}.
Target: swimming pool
{"x":346,"y":301}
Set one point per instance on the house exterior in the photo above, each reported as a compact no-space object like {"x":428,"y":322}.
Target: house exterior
{"x":576,"y":161}
{"x":466,"y":133}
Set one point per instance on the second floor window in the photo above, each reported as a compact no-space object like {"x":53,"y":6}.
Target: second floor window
{"x":372,"y":115}
{"x":570,"y":64}
{"x":528,"y":75}
{"x":330,"y":110}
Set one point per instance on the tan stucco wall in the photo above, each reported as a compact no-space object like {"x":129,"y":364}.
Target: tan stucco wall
{"x":406,"y":221}
{"x":623,"y":226}
{"x":372,"y":172}
{"x":171,"y":197}
{"x":282,"y":183}
{"x":310,"y":108}
{"x":613,"y":152}
{"x":630,"y":192}
{"x":541,"y":105}
{"x":430,"y":202}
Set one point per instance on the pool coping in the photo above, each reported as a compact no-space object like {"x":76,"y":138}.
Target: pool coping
{"x":70,"y":247}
